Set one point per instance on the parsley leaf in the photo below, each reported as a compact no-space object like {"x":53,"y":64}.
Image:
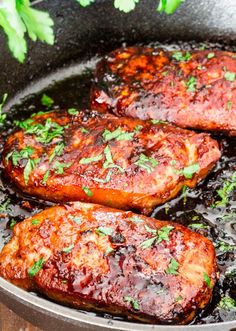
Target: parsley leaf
{"x":227,"y":303}
{"x":207,"y":280}
{"x":210,"y":55}
{"x":147,"y":163}
{"x":59,"y":167}
{"x":117,"y":134}
{"x":109,"y":163}
{"x":179,"y":56}
{"x":12,"y":224}
{"x":198,"y":226}
{"x":3,"y":116}
{"x":189,"y":171}
{"x":225,"y":247}
{"x":37,"y":266}
{"x":172,"y":268}
{"x":168,"y":6}
{"x":132,"y":301}
{"x":73,"y":111}
{"x":16,"y":156}
{"x":230,"y":76}
{"x":68,"y":249}
{"x":88,"y":160}
{"x":45,"y":177}
{"x":104,"y":231}
{"x":104,"y":181}
{"x":35,"y":221}
{"x":125,"y":5}
{"x":161,"y":235}
{"x":225,"y":192}
{"x":47,"y":101}
{"x":76,"y":219}
{"x":85,"y":3}
{"x":30,"y":165}
{"x":87,"y":191}
{"x":58,"y":150}
{"x":191,"y":84}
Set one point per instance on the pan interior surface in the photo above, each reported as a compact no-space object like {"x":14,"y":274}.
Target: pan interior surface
{"x":95,"y":31}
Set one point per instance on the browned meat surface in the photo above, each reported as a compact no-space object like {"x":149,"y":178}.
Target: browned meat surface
{"x":192,"y":90}
{"x":119,"y":162}
{"x":101,"y":259}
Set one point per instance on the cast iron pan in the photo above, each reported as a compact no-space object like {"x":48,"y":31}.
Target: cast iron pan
{"x":81,"y":34}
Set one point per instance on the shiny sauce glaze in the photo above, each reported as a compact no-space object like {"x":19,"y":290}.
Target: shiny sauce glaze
{"x":209,"y":209}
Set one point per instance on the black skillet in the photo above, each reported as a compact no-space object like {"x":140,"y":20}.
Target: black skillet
{"x":80,"y":34}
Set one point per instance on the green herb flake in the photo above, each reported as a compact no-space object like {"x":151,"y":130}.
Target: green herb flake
{"x":161,"y":235}
{"x":35,"y":221}
{"x":57,"y":151}
{"x":3,"y":116}
{"x":109,"y":250}
{"x":47,"y":101}
{"x":229,"y":105}
{"x":4,"y":206}
{"x":91,"y":159}
{"x":87,"y":191}
{"x":105,"y":180}
{"x":45,"y":177}
{"x":12,"y":224}
{"x":109,"y":163}
{"x":225,"y":247}
{"x":191,"y":84}
{"x":224,"y":193}
{"x":189,"y":171}
{"x":207,"y":280}
{"x":73,"y":112}
{"x":154,"y":121}
{"x":210,"y":55}
{"x":230,"y":76}
{"x":179,"y":56}
{"x":59,"y":167}
{"x":135,"y":219}
{"x":68,"y":249}
{"x":104,"y":231}
{"x":178,"y":298}
{"x":134,"y":303}
{"x":146,"y":163}
{"x":76,"y":219}
{"x":83,"y":130}
{"x":30,"y":166}
{"x":227,"y":303}
{"x":198,"y":226}
{"x":117,"y":134}
{"x":172,"y":268}
{"x":16,"y":156}
{"x":37,"y":266}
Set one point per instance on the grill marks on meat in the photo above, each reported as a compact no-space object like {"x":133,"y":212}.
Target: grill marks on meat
{"x":100,"y":158}
{"x":98,"y":258}
{"x":196,"y":90}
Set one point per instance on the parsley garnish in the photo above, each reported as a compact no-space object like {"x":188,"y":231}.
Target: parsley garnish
{"x":158,"y":122}
{"x":76,"y":219}
{"x":59,"y":167}
{"x":172,"y":268}
{"x":147,"y":163}
{"x":227,"y":303}
{"x":132,"y":301}
{"x":58,"y":150}
{"x":207,"y":280}
{"x":189,"y":171}
{"x":45,"y":177}
{"x":35,"y":221}
{"x":87,"y":191}
{"x":160,"y":235}
{"x":47,"y":101}
{"x":106,"y":180}
{"x":83,"y":130}
{"x":168,"y":6}
{"x":73,"y":111}
{"x":191,"y":84}
{"x":210,"y":55}
{"x":135,"y":219}
{"x":91,"y":159}
{"x":230,"y":76}
{"x":30,"y":165}
{"x":198,"y":226}
{"x":12,"y":224}
{"x":4,"y":206}
{"x":16,"y":156}
{"x":3,"y":116}
{"x":224,"y":193}
{"x":225,"y":247}
{"x":125,"y":5}
{"x":68,"y":249}
{"x":37,"y":266}
{"x":109,"y":163}
{"x":104,"y":231}
{"x":179,"y":56}
{"x":117,"y":134}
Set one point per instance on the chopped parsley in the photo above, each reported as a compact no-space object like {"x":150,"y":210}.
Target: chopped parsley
{"x":3,"y":116}
{"x":4,"y":206}
{"x":30,"y":165}
{"x":16,"y":156}
{"x":83,"y":130}
{"x":12,"y":224}
{"x":37,"y":266}
{"x":160,"y":235}
{"x":91,"y":159}
{"x":135,"y":219}
{"x":158,"y":122}
{"x":189,"y":171}
{"x":109,"y":163}
{"x":68,"y":249}
{"x":134,"y":303}
{"x":172,"y":268}
{"x":106,"y":180}
{"x":225,"y":192}
{"x":45,"y":177}
{"x":191,"y":84}
{"x":76,"y":219}
{"x":73,"y":111}
{"x":227,"y":303}
{"x":35,"y":221}
{"x":58,"y":150}
{"x":59,"y":167}
{"x":179,"y":56}
{"x":225,"y":247}
{"x":47,"y":101}
{"x":146,"y":163}
{"x":230,"y":76}
{"x":104,"y":231}
{"x":210,"y":55}
{"x":117,"y":134}
{"x":207,"y":280}
{"x":87,"y":191}
{"x":198,"y":226}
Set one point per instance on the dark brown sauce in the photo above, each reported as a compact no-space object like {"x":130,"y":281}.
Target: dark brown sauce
{"x":193,"y":207}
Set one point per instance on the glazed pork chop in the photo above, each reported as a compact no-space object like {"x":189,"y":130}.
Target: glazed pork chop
{"x":101,"y":259}
{"x":100,"y":158}
{"x":189,"y":89}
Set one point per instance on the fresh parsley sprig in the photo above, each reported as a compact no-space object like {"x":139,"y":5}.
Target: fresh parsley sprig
{"x":18,"y":18}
